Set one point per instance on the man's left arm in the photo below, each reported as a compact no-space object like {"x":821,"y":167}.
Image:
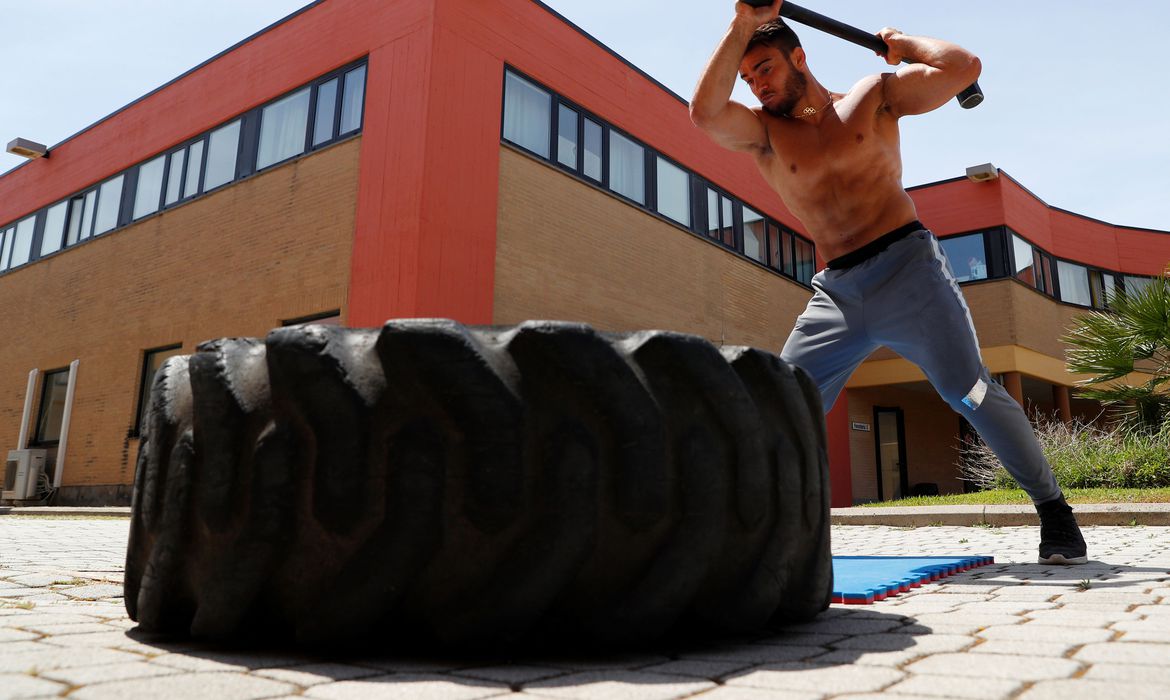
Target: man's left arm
{"x":940,"y":71}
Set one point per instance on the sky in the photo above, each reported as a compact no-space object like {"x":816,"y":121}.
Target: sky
{"x":1077,"y":107}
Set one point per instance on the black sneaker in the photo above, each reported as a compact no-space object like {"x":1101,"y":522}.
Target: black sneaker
{"x":1060,"y":538}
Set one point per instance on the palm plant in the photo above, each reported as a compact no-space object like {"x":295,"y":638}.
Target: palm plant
{"x":1134,"y":336}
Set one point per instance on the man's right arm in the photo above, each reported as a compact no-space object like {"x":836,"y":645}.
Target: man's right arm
{"x":729,"y":123}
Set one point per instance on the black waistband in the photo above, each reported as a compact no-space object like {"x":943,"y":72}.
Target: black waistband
{"x":874,"y":247}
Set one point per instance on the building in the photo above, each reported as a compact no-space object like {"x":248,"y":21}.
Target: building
{"x":485,"y":161}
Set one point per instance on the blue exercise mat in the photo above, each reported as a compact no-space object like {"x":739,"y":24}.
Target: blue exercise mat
{"x":862,"y":580}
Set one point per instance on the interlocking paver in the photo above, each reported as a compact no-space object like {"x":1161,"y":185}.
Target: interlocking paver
{"x":635,"y":685}
{"x":1125,"y":653}
{"x":184,"y":686}
{"x":1018,"y":668}
{"x":22,"y":686}
{"x":825,"y":678}
{"x":950,"y":687}
{"x":990,"y":633}
{"x":1092,"y":690}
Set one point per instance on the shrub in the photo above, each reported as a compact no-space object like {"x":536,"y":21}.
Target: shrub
{"x":1083,"y":456}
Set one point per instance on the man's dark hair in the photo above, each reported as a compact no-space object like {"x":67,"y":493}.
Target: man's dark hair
{"x":776,"y":34}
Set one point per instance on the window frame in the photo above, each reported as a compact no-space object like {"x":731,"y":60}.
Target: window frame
{"x":143,"y":386}
{"x":42,"y":411}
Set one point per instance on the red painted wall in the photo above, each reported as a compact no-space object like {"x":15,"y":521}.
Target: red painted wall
{"x":962,"y":205}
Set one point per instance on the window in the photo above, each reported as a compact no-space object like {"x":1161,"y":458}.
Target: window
{"x":175,"y":177}
{"x":194,"y":169}
{"x":1137,"y":285}
{"x":54,"y":234}
{"x":354,"y":100}
{"x":109,"y":204}
{"x":152,"y":361}
{"x":967,"y":255}
{"x":6,"y":247}
{"x":593,"y":139}
{"x":325,"y":121}
{"x":1102,"y":287}
{"x":52,"y":407}
{"x":1074,"y":283}
{"x":325,"y":318}
{"x":806,"y":261}
{"x":720,"y":225}
{"x":88,"y":215}
{"x":526,"y":114}
{"x":1024,"y":270}
{"x":150,"y":183}
{"x":780,"y":256}
{"x":22,"y":241}
{"x":76,"y":215}
{"x":674,"y":192}
{"x":567,"y":137}
{"x":222,"y":146}
{"x":282,"y":129}
{"x":753,"y":235}
{"x":627,"y":168}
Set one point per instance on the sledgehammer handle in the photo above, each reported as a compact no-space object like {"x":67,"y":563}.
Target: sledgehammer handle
{"x":968,"y":98}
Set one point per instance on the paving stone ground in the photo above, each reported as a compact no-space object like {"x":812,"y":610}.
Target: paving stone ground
{"x":1012,"y":630}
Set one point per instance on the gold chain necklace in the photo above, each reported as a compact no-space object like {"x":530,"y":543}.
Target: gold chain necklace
{"x":809,"y":111}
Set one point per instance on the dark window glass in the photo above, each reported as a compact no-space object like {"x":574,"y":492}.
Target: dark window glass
{"x":6,"y":247}
{"x":175,"y":177}
{"x":52,"y":407}
{"x":194,"y":169}
{"x":1074,"y":283}
{"x":109,"y":203}
{"x":353,"y":100}
{"x":753,"y":235}
{"x":713,"y":214}
{"x":282,"y":129}
{"x":152,"y":361}
{"x":567,"y":137}
{"x":674,"y":192}
{"x":326,"y":318}
{"x":788,"y":253}
{"x":54,"y":228}
{"x":806,"y":261}
{"x":87,"y":217}
{"x":76,"y":214}
{"x":149,"y":192}
{"x":967,"y":256}
{"x":1046,"y":275}
{"x":727,"y":228}
{"x":222,"y":146}
{"x":527,"y":109}
{"x":593,"y":150}
{"x":22,"y":241}
{"x":1137,"y":285}
{"x":325,"y":121}
{"x":627,"y":168}
{"x":1101,"y":288}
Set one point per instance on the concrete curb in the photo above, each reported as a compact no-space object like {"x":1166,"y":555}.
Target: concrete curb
{"x":1001,"y":516}
{"x":64,"y":511}
{"x":1121,"y":514}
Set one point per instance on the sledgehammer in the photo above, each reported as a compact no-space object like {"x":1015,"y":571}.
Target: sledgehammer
{"x":968,"y":98}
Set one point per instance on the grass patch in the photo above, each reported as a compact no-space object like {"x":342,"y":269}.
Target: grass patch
{"x":1012,"y":497}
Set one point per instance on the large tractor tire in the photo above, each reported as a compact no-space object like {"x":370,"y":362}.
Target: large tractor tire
{"x":466,"y":486}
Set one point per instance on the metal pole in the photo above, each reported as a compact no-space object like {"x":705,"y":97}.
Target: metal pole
{"x":59,"y":469}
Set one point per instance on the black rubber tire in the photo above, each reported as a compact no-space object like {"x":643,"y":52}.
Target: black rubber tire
{"x":471,"y":486}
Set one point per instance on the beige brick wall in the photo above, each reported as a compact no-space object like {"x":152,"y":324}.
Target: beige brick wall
{"x":566,"y":250}
{"x":233,"y":263}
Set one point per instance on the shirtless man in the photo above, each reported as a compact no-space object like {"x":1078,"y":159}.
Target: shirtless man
{"x":834,"y":158}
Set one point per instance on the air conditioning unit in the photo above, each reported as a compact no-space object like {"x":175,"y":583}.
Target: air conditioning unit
{"x":22,"y":470}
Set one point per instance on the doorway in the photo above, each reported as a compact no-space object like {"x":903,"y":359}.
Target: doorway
{"x":890,"y":442}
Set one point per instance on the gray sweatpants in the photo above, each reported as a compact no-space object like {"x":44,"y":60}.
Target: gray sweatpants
{"x":906,"y":298}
